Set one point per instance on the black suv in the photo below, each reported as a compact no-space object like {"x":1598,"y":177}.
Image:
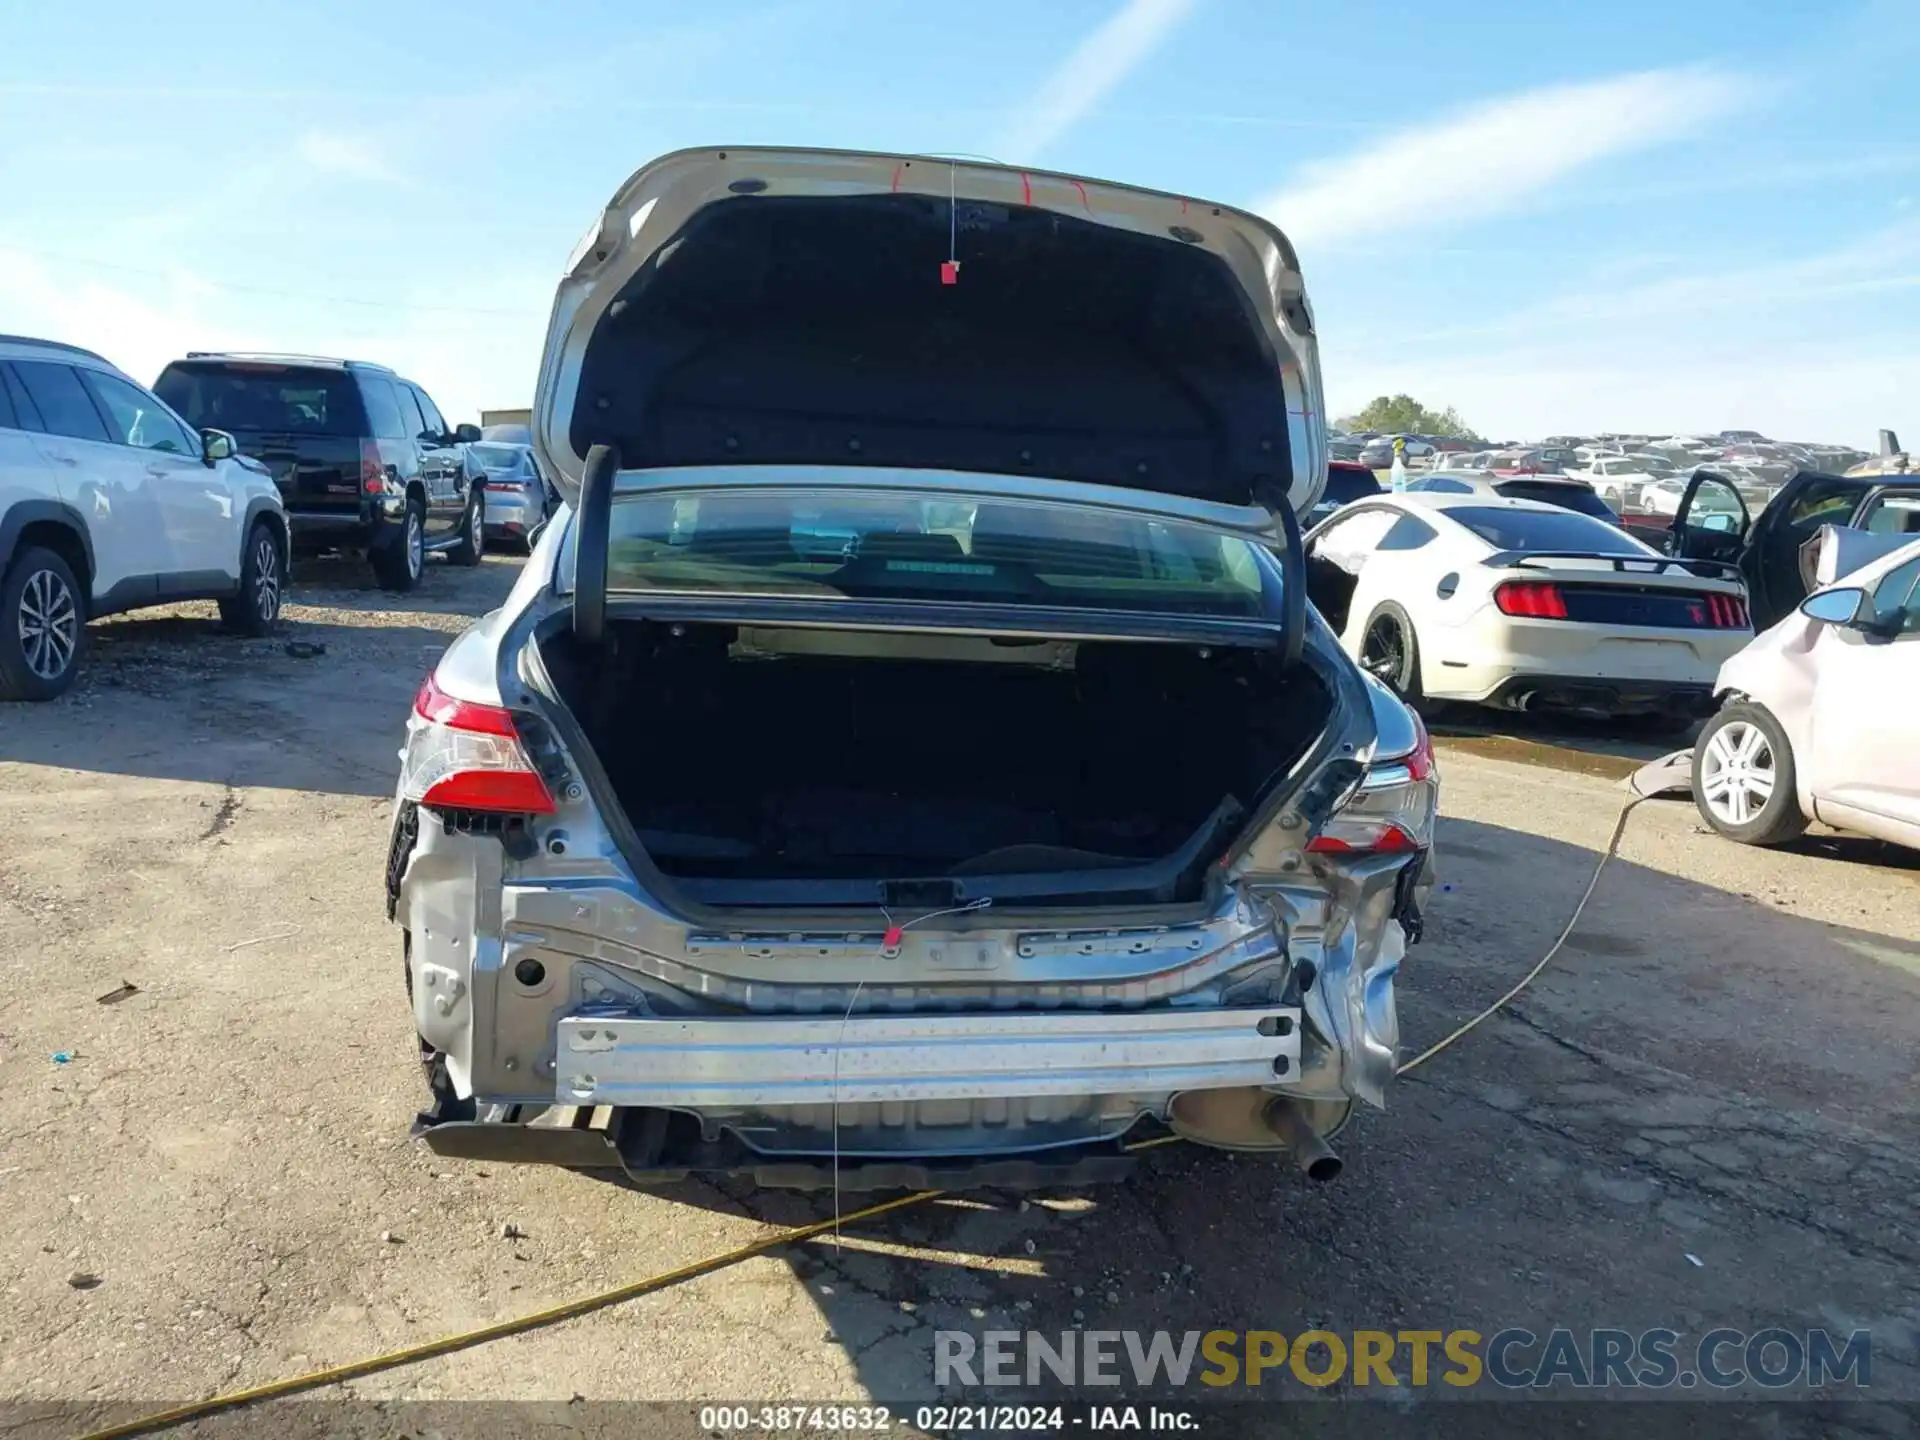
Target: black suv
{"x":362,"y":457}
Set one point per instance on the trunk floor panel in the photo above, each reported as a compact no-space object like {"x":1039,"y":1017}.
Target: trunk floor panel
{"x":830,"y":766}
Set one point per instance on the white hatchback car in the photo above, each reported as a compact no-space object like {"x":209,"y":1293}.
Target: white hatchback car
{"x":108,"y":502}
{"x":1523,"y":605}
{"x":1822,"y":713}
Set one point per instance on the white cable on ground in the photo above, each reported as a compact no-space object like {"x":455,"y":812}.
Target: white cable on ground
{"x":1613,"y":848}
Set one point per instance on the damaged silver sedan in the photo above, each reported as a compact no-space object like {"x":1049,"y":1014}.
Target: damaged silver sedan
{"x":910,"y":758}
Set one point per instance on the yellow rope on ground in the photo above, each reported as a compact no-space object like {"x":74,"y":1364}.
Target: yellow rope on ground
{"x":573,"y":1309}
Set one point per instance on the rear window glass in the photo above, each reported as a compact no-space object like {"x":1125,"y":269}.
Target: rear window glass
{"x":1894,"y":515}
{"x":383,"y":409}
{"x":61,"y":399}
{"x":498,"y":457}
{"x":887,"y":545}
{"x":1567,"y":497}
{"x":275,"y":399}
{"x":1545,"y":530}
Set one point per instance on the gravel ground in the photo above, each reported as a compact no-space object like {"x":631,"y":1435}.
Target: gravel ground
{"x":1704,"y":1114}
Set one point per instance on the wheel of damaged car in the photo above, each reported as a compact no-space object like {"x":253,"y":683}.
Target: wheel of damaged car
{"x":1743,"y":777}
{"x":1389,"y":652}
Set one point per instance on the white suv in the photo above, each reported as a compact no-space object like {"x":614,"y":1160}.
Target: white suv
{"x":108,"y":502}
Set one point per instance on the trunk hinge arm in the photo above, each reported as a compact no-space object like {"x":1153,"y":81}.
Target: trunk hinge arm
{"x":590,"y":542}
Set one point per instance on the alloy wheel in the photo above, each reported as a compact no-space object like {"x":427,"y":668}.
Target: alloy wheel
{"x":266,"y":578}
{"x":1384,"y":653}
{"x":49,"y":623}
{"x":416,"y":545}
{"x":1737,"y":772}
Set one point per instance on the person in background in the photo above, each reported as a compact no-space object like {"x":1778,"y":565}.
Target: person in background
{"x":1399,"y":464}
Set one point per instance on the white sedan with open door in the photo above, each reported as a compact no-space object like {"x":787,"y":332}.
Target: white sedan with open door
{"x":1523,"y":606}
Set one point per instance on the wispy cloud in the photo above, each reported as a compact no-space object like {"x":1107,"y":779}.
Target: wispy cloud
{"x":1098,"y":63}
{"x":1502,"y":152}
{"x":1677,"y":353}
{"x":1879,"y":261}
{"x":352,"y":156}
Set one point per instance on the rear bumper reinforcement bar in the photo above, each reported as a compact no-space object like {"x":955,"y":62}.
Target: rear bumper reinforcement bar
{"x":764,"y":1060}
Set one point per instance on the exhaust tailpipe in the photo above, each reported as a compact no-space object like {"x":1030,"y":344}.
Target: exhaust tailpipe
{"x":1312,"y":1154}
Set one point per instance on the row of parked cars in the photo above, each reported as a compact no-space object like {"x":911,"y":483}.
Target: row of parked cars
{"x":114,"y":495}
{"x":1640,"y":475}
{"x":1525,"y":591}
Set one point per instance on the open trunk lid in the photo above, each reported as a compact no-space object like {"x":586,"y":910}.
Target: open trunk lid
{"x":778,"y":307}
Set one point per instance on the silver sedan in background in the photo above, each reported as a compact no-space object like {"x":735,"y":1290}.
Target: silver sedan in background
{"x":518,"y":500}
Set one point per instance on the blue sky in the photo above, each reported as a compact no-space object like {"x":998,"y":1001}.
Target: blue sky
{"x":1634,"y":215}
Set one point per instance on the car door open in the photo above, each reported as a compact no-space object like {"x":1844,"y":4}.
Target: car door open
{"x":1335,"y":557}
{"x":1711,"y":522}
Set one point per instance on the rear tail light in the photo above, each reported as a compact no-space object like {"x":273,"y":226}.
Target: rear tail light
{"x":1391,"y":813}
{"x":373,"y":473}
{"x":1726,"y":612}
{"x":464,"y":756}
{"x":1531,"y":600}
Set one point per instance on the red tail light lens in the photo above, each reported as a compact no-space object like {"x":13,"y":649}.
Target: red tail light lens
{"x":1531,"y":600}
{"x":1420,"y":762}
{"x":467,"y":756}
{"x":1385,"y":840}
{"x":433,"y":703}
{"x":373,"y":474}
{"x":1727,"y":612}
{"x":1392,"y":811}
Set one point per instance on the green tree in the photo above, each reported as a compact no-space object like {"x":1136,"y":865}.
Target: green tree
{"x":1397,"y":414}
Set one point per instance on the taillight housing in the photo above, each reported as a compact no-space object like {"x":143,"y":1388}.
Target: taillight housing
{"x":373,"y":471}
{"x":1392,"y":810}
{"x":1727,"y":612}
{"x":466,"y":756}
{"x":1531,"y":600}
